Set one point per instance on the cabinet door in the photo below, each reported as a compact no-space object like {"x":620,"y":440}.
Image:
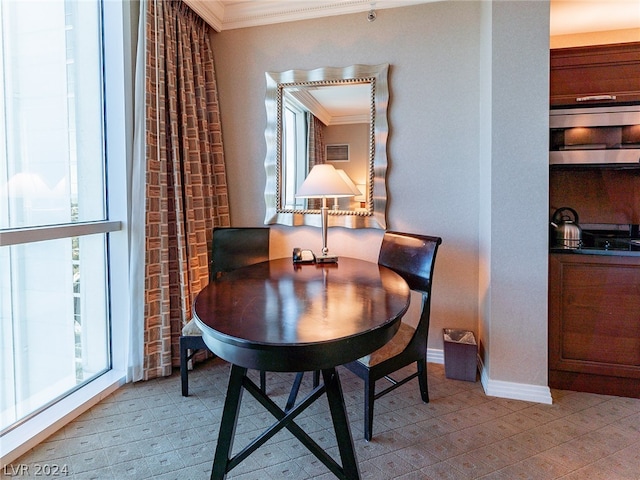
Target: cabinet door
{"x":595,"y":75}
{"x":594,"y":315}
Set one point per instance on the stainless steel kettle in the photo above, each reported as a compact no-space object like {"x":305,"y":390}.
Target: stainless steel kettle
{"x":568,"y":233}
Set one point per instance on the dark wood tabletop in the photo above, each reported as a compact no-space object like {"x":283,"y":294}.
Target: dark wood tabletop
{"x":280,"y":316}
{"x":285,"y":317}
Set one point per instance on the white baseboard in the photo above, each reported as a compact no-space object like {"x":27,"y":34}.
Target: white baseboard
{"x":498,"y":388}
{"x":515,"y":391}
{"x":435,"y":356}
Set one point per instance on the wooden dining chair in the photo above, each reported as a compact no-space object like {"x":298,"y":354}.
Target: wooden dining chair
{"x":231,"y":248}
{"x":413,"y":258}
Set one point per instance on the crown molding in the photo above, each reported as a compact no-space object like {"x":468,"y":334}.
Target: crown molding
{"x":254,"y":13}
{"x":565,"y":16}
{"x":309,"y":102}
{"x":211,"y":11}
{"x":231,"y":14}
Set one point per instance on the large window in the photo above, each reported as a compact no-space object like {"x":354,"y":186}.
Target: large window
{"x":54,"y":214}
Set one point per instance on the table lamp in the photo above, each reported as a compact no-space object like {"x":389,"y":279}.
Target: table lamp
{"x":362,"y":195}
{"x":348,"y":181}
{"x":324,"y":182}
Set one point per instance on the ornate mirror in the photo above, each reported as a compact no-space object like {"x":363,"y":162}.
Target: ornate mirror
{"x":327,"y":115}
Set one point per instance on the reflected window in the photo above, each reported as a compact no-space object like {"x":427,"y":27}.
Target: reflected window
{"x":295,"y":158}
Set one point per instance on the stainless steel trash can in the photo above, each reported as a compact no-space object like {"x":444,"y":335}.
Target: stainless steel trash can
{"x":460,"y":354}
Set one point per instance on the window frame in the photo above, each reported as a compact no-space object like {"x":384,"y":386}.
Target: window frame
{"x":300,"y":151}
{"x":119,"y":19}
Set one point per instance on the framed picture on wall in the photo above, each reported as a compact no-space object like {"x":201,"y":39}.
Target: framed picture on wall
{"x":337,"y":152}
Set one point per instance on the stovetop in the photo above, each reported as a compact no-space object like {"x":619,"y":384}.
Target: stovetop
{"x":611,"y":237}
{"x":608,"y":239}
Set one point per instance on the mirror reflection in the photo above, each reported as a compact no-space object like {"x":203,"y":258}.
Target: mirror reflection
{"x":326,"y":124}
{"x":329,"y":115}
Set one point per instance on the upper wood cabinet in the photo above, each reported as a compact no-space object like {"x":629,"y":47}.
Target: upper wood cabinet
{"x":595,"y":75}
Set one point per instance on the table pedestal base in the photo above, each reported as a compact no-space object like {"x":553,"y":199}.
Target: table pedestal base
{"x":238,"y":381}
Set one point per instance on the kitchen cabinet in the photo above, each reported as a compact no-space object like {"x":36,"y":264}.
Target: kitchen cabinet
{"x":593,"y":75}
{"x":594,"y":323}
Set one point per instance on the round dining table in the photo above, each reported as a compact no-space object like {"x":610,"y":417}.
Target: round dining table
{"x":280,"y":316}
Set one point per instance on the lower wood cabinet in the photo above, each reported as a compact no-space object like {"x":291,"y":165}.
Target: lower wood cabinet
{"x":594,"y":324}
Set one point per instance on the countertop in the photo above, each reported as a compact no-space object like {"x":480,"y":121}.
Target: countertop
{"x":595,"y":251}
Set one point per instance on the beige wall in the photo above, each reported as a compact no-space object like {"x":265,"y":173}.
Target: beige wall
{"x":468,"y":117}
{"x":357,"y":136}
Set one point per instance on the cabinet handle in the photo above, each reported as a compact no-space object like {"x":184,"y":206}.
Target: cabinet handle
{"x":595,"y":97}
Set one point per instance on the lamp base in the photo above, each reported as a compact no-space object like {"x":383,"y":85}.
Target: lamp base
{"x":327,"y":259}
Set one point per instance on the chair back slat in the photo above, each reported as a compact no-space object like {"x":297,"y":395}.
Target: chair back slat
{"x":232,"y":248}
{"x":412,"y":256}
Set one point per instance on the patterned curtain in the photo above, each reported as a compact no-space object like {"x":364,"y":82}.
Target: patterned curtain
{"x":315,"y":148}
{"x":315,"y":140}
{"x":186,"y":190}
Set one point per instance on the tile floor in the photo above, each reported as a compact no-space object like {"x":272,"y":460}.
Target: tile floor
{"x":148,"y":430}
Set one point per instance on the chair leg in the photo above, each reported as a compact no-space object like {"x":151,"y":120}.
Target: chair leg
{"x":369,"y":395}
{"x":422,"y":380}
{"x":184,"y":379}
{"x":263,"y":381}
{"x":295,"y":388}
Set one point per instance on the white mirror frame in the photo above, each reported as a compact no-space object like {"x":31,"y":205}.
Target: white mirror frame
{"x":374,"y":215}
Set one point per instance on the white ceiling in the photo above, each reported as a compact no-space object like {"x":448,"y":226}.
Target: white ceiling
{"x":567,"y":16}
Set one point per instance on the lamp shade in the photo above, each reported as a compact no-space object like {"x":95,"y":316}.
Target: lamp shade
{"x":348,"y":181}
{"x":362,"y":193}
{"x":324,"y":181}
